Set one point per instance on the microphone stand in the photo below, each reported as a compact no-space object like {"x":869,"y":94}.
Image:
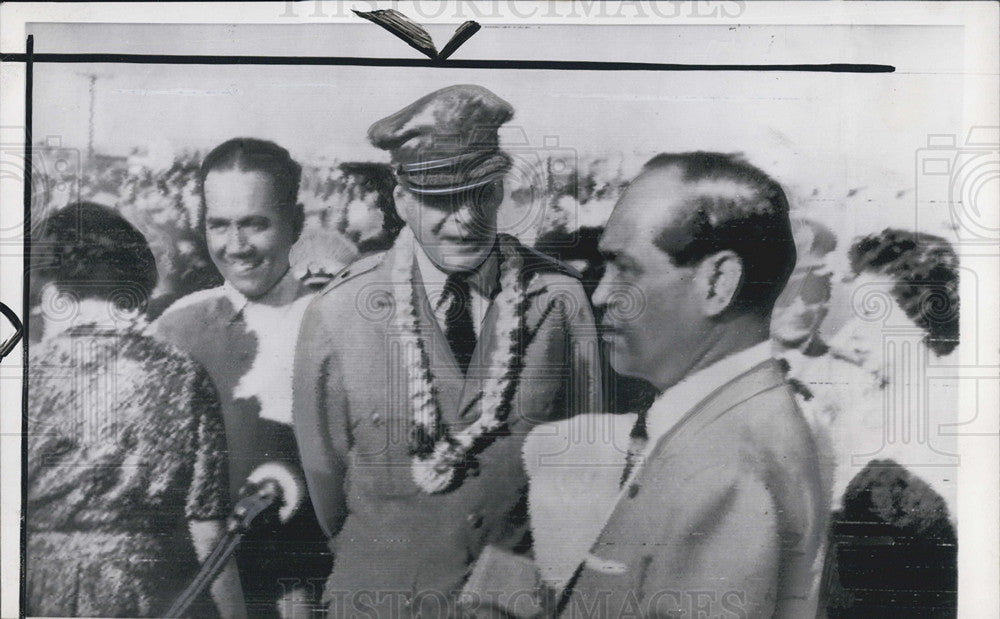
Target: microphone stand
{"x":249,"y":512}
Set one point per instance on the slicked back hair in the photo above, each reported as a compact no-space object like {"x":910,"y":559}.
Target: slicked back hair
{"x":752,"y":222}
{"x":254,"y":155}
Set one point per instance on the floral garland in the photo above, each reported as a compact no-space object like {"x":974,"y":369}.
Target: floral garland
{"x":437,"y":452}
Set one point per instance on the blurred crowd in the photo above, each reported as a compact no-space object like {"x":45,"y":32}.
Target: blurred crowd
{"x":851,"y":378}
{"x":349,"y":213}
{"x":348,"y":209}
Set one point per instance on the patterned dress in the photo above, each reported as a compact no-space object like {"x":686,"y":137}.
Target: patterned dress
{"x":125,"y":446}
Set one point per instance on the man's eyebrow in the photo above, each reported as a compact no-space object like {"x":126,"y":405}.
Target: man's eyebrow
{"x":612,"y":255}
{"x":627,"y":261}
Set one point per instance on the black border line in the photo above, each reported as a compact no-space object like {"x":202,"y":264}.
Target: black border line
{"x":552,"y":65}
{"x":29,"y":58}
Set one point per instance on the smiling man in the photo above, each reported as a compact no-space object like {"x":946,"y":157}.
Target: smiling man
{"x":243,"y":333}
{"x":419,"y":371}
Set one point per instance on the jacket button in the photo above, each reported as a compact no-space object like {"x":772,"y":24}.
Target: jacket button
{"x":633,"y":490}
{"x":475,"y":519}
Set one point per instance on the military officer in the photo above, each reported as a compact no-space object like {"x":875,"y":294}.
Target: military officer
{"x":419,"y":370}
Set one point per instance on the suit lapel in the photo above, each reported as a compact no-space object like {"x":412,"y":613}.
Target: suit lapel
{"x":622,"y":522}
{"x":757,"y":379}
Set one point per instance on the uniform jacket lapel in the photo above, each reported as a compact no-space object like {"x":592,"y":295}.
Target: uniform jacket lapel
{"x":448,"y":377}
{"x":481,"y":366}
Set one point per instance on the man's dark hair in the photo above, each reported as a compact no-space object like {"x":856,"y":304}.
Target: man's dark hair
{"x":753,"y":224}
{"x":924,"y":270}
{"x":90,"y":250}
{"x":253,"y":155}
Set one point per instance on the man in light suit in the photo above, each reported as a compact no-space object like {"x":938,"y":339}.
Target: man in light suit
{"x":710,"y":501}
{"x":420,"y":370}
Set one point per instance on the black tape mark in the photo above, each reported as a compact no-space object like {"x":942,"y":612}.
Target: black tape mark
{"x":12,"y":341}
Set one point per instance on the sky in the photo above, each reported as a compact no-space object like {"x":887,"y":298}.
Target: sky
{"x":845,"y":146}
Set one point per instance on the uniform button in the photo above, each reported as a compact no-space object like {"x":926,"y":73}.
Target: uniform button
{"x":633,"y":490}
{"x":376,"y":419}
{"x":475,"y":519}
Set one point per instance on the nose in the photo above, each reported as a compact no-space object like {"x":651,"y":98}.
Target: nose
{"x":236,"y":241}
{"x":461,"y":220}
{"x":601,"y":294}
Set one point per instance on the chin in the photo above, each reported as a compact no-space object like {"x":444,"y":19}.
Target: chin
{"x":251,"y":288}
{"x":622,"y":366}
{"x":461,"y":258}
{"x":248,"y":291}
{"x":791,"y":340}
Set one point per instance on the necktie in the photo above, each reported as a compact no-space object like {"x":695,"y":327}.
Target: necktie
{"x":458,"y":329}
{"x":637,"y":440}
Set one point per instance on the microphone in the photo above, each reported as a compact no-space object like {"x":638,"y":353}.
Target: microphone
{"x":273,"y":488}
{"x":271,"y":483}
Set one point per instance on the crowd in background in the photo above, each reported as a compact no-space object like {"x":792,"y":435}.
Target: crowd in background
{"x":349,"y":214}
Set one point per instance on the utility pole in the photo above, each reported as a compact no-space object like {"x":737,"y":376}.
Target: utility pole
{"x":92,"y":79}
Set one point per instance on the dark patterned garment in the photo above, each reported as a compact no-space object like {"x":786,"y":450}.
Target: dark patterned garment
{"x":125,"y":446}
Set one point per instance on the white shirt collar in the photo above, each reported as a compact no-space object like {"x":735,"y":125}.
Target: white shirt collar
{"x":434,"y":279}
{"x":671,"y":405}
{"x":270,"y":318}
{"x":284,"y":292}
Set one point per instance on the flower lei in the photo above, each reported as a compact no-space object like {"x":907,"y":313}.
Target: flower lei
{"x":436,"y":451}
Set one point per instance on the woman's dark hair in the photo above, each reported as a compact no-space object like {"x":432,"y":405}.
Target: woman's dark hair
{"x":253,"y":155}
{"x":89,"y":250}
{"x":924,"y":270}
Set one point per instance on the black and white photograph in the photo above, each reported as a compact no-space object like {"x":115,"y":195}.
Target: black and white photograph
{"x":554,"y":309}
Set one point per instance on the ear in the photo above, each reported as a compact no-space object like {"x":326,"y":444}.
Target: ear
{"x":403,"y":200}
{"x":298,"y":220}
{"x":498,"y":189}
{"x":719,"y":278}
{"x":490,"y":196}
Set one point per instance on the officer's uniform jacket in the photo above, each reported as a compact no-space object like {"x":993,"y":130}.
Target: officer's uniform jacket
{"x":396,"y":547}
